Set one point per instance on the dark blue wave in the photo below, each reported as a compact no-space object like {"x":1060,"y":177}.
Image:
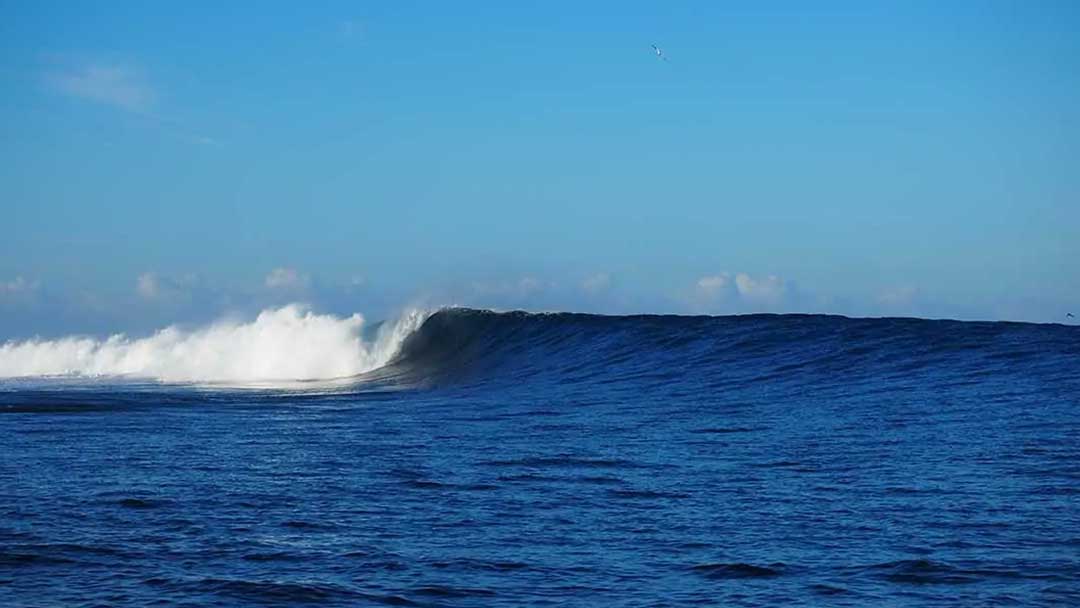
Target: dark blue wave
{"x":514,"y":459}
{"x":476,"y":347}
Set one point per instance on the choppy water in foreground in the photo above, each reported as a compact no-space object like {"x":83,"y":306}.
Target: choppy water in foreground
{"x":570,"y":460}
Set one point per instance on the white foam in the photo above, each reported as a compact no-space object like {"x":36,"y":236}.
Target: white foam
{"x":283,"y":344}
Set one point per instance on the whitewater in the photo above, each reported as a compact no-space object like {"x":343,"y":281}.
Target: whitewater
{"x":285,"y":344}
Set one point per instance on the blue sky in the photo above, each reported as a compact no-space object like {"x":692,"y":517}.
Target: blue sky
{"x":172,"y":164}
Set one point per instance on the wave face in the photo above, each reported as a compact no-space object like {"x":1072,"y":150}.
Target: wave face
{"x":284,"y":344}
{"x":715,"y":353}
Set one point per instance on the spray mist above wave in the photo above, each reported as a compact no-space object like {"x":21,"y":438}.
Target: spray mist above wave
{"x":282,"y":344}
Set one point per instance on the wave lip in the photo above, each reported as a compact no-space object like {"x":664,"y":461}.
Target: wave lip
{"x":281,"y":345}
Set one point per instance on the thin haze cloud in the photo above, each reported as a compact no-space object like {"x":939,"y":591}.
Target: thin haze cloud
{"x":897,"y":297}
{"x":596,"y":283}
{"x":351,"y":28}
{"x":147,"y":286}
{"x":747,"y":292}
{"x":286,"y":278}
{"x":17,"y":285}
{"x":113,"y":85}
{"x":124,"y":88}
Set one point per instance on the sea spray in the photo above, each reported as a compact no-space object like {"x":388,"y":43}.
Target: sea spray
{"x":280,"y":344}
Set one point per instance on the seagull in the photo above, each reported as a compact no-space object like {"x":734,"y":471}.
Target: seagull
{"x":1068,"y":315}
{"x":659,"y":53}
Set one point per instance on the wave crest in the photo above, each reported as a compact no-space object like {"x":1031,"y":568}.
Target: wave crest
{"x":281,"y":344}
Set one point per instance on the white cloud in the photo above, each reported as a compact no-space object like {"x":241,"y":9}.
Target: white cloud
{"x":714,"y":284}
{"x":115,"y":85}
{"x":741,"y":292}
{"x":769,"y":290}
{"x":596,"y":283}
{"x":287,"y":278}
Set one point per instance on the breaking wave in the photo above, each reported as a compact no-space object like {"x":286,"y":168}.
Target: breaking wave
{"x":460,"y":347}
{"x":281,"y":344}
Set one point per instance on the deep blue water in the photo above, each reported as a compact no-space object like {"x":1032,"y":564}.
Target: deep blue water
{"x":569,"y":460}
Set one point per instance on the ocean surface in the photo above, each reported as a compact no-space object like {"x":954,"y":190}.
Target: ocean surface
{"x":512,"y":459}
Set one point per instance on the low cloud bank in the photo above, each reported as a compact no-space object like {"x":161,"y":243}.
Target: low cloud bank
{"x":741,"y":292}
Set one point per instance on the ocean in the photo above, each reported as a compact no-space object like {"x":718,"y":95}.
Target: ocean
{"x":473,"y":458}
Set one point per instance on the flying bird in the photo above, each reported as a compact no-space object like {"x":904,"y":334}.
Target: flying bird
{"x":659,"y":53}
{"x":1069,"y":315}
